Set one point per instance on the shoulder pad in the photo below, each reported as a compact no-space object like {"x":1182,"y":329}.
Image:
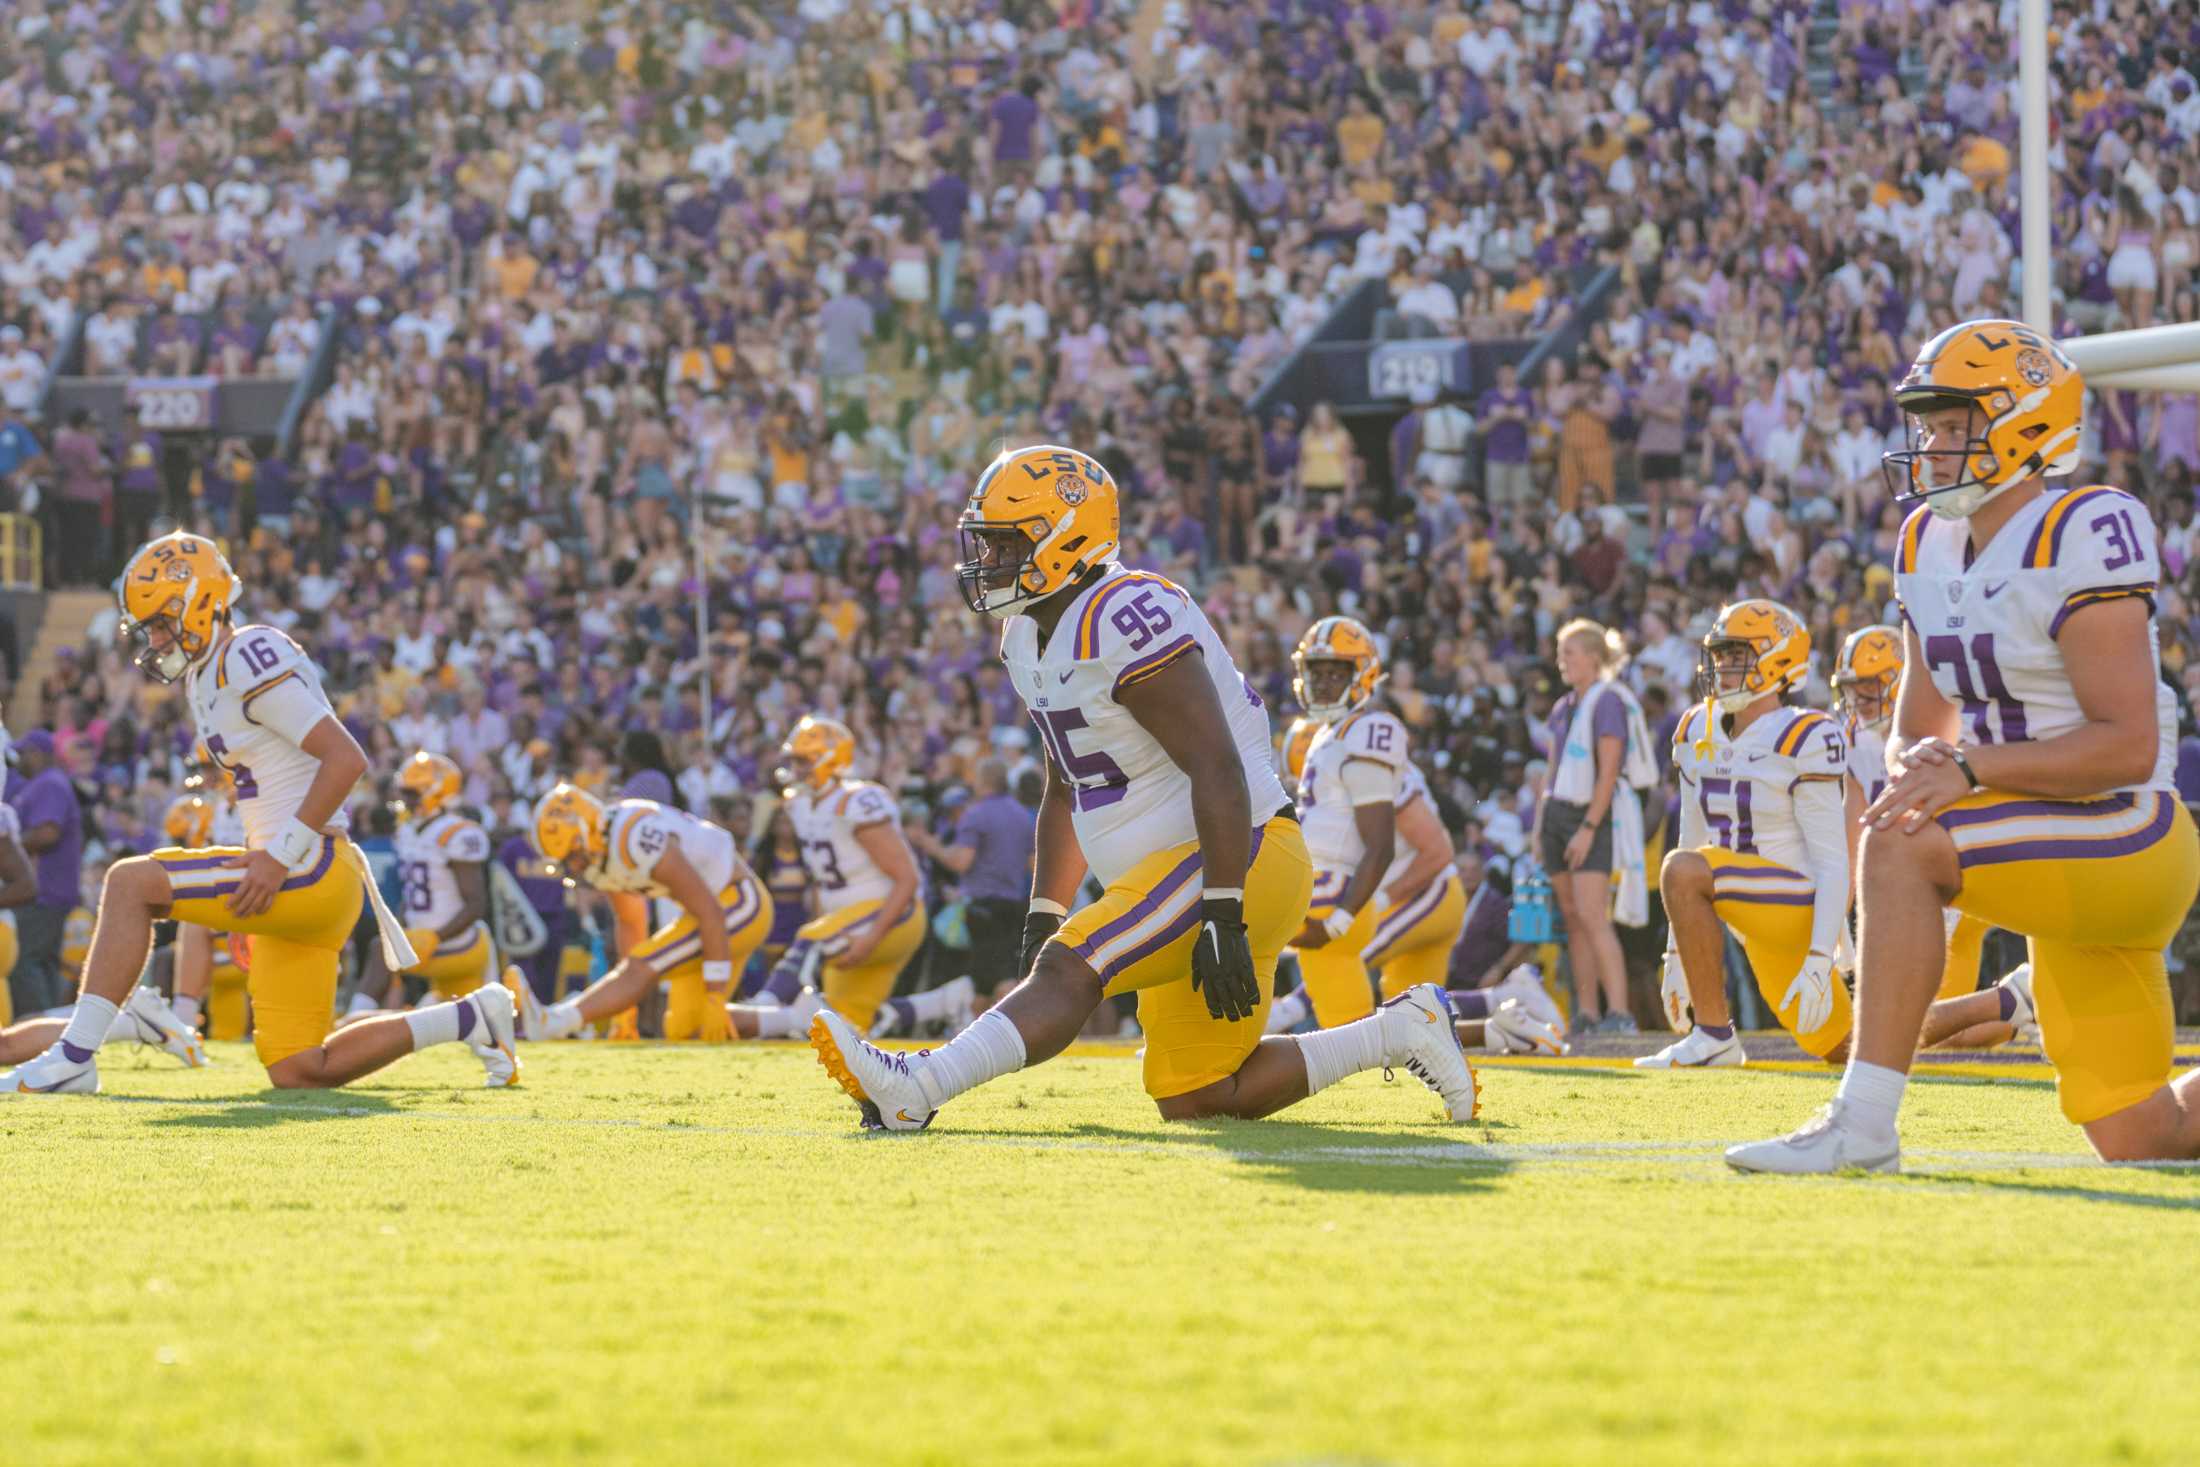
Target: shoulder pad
{"x":1131,"y":615}
{"x":255,"y":655}
{"x":863,"y":803}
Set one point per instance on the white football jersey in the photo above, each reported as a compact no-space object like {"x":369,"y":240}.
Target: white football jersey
{"x":637,"y":835}
{"x":270,"y":772}
{"x":1412,"y":785}
{"x":428,"y":891}
{"x":1867,"y":758}
{"x":228,"y":826}
{"x":1130,"y":800}
{"x":1988,"y":625}
{"x":1744,"y":788}
{"x":841,"y":871}
{"x":1325,"y":806}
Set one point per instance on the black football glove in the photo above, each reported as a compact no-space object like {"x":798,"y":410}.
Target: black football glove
{"x":1038,"y":927}
{"x":1222,"y":961}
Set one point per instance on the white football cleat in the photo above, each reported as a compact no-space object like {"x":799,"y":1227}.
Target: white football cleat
{"x":530,"y":1020}
{"x":1511,"y":1029}
{"x":1526,"y":986}
{"x":1826,"y":1144}
{"x":1418,"y":1037}
{"x":1696,"y":1050}
{"x":146,"y":1019}
{"x":495,"y":1039}
{"x":2026,"y":1018}
{"x":879,"y":1081}
{"x":52,"y":1073}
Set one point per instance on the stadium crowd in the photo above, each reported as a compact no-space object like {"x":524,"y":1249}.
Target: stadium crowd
{"x":654,"y":307}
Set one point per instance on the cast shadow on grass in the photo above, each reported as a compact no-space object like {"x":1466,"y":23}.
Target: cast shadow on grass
{"x":272,"y":1107}
{"x":1330,"y":1158}
{"x":2153,"y":1201}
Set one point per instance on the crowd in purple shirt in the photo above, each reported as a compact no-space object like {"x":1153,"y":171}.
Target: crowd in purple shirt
{"x":668,"y":303}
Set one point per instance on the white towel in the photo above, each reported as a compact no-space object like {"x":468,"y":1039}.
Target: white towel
{"x":1629,"y":861}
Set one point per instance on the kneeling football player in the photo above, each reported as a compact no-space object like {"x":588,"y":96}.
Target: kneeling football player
{"x":1161,"y":780}
{"x":296,"y":884}
{"x":441,"y":866}
{"x":637,"y":849}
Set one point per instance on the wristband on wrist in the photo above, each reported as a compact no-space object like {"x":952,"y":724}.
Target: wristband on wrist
{"x":1338,"y":922}
{"x":1963,"y":762}
{"x":1040,"y":905}
{"x":1222,"y":894}
{"x":717,"y":974}
{"x":295,"y":845}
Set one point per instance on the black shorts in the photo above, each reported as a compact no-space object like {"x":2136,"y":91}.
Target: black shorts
{"x":1661,"y":466}
{"x":1560,"y":821}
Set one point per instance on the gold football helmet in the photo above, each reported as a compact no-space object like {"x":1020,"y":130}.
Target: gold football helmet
{"x":1866,"y":673}
{"x":189,"y":822}
{"x":1296,"y":742}
{"x":1755,"y":648}
{"x":569,"y":830}
{"x":1038,"y":518}
{"x":1336,"y":668}
{"x":430,"y":784}
{"x":818,"y":751}
{"x":2024,"y":398}
{"x":176,"y":592}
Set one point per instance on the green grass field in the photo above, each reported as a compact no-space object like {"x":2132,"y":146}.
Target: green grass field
{"x":672,"y":1255}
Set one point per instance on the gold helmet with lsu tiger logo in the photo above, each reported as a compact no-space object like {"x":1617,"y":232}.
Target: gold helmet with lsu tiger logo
{"x":1297,"y":741}
{"x":1335,"y":668}
{"x":2022,"y":399}
{"x":1037,"y":520}
{"x":1865,"y":676}
{"x":1755,"y":648}
{"x":189,"y":822}
{"x":818,"y":751}
{"x":569,"y":830}
{"x":430,"y":784}
{"x":175,"y":594}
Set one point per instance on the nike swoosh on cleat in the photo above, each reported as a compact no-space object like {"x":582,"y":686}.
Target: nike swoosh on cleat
{"x":903,"y":1115}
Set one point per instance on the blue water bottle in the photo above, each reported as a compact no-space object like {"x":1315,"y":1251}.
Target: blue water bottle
{"x":1530,"y":919}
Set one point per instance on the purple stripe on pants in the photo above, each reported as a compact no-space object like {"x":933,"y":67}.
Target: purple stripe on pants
{"x":2066,"y":848}
{"x":1145,"y":907}
{"x":2020,"y":809}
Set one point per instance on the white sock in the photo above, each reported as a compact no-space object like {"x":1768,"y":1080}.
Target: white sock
{"x":362,"y":1004}
{"x":187,"y":1009}
{"x":775,"y":1021}
{"x":986,"y":1050}
{"x":89,"y":1022}
{"x":1873,"y":1095}
{"x":1332,"y":1054}
{"x":435,"y":1024}
{"x":1289,"y":1012}
{"x":562,"y":1020}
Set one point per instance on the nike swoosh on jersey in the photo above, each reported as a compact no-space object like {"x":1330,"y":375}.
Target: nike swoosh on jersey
{"x":1993,"y":591}
{"x":1068,"y":675}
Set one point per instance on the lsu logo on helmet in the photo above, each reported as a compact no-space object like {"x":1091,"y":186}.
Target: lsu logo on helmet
{"x":181,"y":588}
{"x":1037,"y":520}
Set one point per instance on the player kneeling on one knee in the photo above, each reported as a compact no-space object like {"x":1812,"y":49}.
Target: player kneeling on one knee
{"x":296,"y":884}
{"x":1161,"y":782}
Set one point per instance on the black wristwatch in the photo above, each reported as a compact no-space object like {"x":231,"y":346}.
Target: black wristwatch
{"x":1964,"y":764}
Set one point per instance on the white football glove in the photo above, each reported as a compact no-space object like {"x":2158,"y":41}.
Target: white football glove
{"x":1673,"y":989}
{"x":1811,"y":993}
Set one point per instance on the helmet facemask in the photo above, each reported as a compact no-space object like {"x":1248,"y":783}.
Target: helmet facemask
{"x":1954,"y":477}
{"x":1324,"y":685}
{"x":1869,"y":700}
{"x":997,"y":575}
{"x":177,"y":651}
{"x":1726,"y":675}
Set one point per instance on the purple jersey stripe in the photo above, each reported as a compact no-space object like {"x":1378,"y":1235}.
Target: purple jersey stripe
{"x":1145,"y":907}
{"x":2068,"y":849}
{"x":2069,"y":508}
{"x":2026,"y":809}
{"x":1146,"y":666}
{"x":2079,"y":600}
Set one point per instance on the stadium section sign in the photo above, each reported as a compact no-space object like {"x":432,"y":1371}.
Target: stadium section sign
{"x":172,"y":404}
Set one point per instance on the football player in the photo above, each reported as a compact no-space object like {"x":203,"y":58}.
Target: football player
{"x":296,"y":884}
{"x":1409,"y":923}
{"x":1161,"y":780}
{"x":1761,"y":850}
{"x":634,"y":850}
{"x":444,"y":885}
{"x":2032,"y":749}
{"x":863,"y":880}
